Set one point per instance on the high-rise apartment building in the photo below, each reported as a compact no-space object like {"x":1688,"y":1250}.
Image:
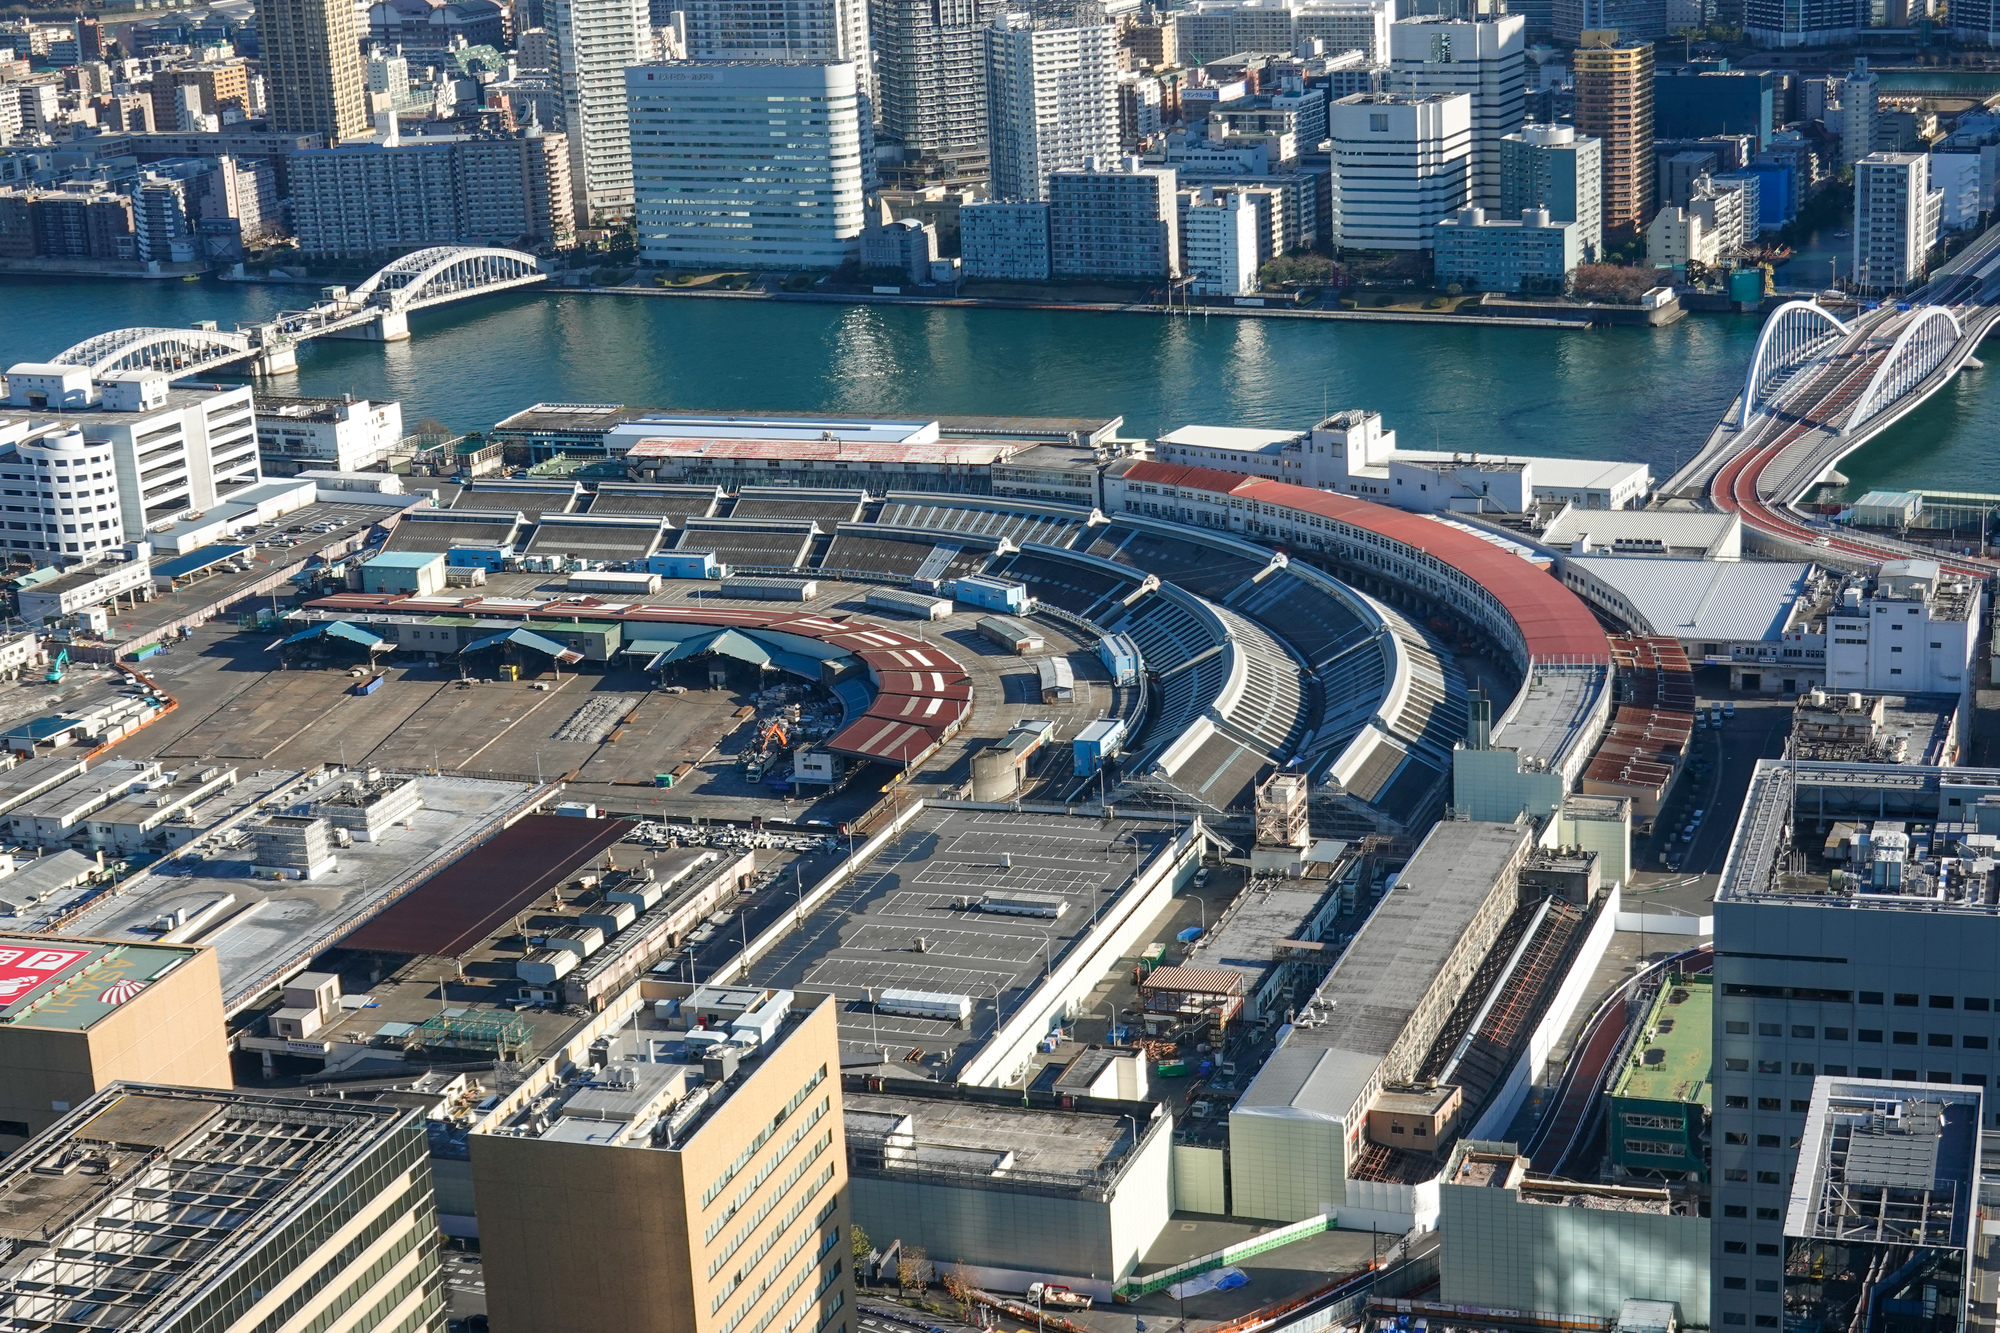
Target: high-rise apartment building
{"x":1845,"y":946}
{"x":311,"y":51}
{"x":1219,"y":242}
{"x":781,"y":30}
{"x":1401,"y":164}
{"x":710,"y":1179}
{"x":77,"y":1015}
{"x":517,"y":188}
{"x":223,"y":1212}
{"x":1895,"y":220}
{"x":1004,"y":242}
{"x":1052,"y":100}
{"x":1554,"y":167}
{"x":931,"y":79}
{"x":1211,"y":29}
{"x":1860,"y":112}
{"x":744,"y":162}
{"x":1119,"y":222}
{"x":596,"y":42}
{"x":1614,"y":104}
{"x":1484,"y":58}
{"x":367,"y":199}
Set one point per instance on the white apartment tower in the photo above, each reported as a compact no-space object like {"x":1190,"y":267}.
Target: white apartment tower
{"x":1052,"y":100}
{"x":745,"y":162}
{"x":1211,"y":29}
{"x":1554,"y":167}
{"x":1401,"y":164}
{"x":596,"y":41}
{"x":1483,"y":58}
{"x":1219,"y":242}
{"x":1860,"y":112}
{"x":1895,"y":220}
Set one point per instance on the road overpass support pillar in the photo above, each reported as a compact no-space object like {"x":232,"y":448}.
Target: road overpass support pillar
{"x":388,"y":326}
{"x":280,"y":359}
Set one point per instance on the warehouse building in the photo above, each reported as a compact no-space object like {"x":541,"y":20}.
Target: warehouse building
{"x":1060,"y":1190}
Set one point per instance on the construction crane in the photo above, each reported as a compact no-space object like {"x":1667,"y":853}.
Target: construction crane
{"x":58,"y":667}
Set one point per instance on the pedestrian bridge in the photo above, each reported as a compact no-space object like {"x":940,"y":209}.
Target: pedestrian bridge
{"x":376,"y":311}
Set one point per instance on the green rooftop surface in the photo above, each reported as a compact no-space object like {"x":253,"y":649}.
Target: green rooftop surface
{"x":1682,"y":1033}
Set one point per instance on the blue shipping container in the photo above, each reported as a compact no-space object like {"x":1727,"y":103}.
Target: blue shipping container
{"x":1097,"y":742}
{"x":1120,"y":656}
{"x":993,"y":594}
{"x":684,"y":565}
{"x":369,"y":686}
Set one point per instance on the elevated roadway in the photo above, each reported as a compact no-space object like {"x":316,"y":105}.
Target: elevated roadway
{"x":1818,"y":388}
{"x":376,"y":311}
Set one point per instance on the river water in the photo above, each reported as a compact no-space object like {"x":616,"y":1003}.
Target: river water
{"x":1633,"y":394}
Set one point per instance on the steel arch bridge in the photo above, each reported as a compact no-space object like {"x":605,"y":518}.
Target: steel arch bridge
{"x":156,"y":349}
{"x":447,"y":273}
{"x":1925,"y":344}
{"x":1795,"y":332}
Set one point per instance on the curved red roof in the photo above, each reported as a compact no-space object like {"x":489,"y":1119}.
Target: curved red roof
{"x":1555,"y":623}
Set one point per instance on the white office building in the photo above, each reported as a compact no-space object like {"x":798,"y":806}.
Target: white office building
{"x":1004,"y":242}
{"x":1348,"y":25}
{"x":340,"y":434}
{"x":596,"y":41}
{"x":1896,"y":214}
{"x":1052,"y":100}
{"x":1911,"y":631}
{"x":1401,"y":163}
{"x":738,"y":162}
{"x":1219,"y":243}
{"x":1211,"y":29}
{"x":1529,"y":253}
{"x":1554,"y":167}
{"x":168,"y":451}
{"x":1484,"y":58}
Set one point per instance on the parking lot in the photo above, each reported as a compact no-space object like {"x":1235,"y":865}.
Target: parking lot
{"x":1698,"y":819}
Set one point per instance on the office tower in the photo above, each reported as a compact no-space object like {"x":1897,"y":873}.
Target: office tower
{"x":1553,"y":167}
{"x":1401,"y":164}
{"x":81,"y":1014}
{"x":743,"y":162}
{"x":1052,"y":100}
{"x":1844,"y":947}
{"x":1119,"y":222}
{"x":1614,"y":104}
{"x":312,"y":68}
{"x":1895,"y":226}
{"x":1693,"y":104}
{"x":1486,"y":60}
{"x":682,"y":1172}
{"x":931,"y":83}
{"x":222,"y":1212}
{"x":596,"y":42}
{"x":1789,"y":24}
{"x":1633,"y":20}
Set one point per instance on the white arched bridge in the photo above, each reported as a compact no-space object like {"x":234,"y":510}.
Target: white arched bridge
{"x":377,"y":311}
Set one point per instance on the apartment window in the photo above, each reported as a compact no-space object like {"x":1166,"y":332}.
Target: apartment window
{"x":1838,"y":1071}
{"x":1736,"y":1137}
{"x":1977,"y":1003}
{"x":1736,"y":1027}
{"x":1767,"y":1249}
{"x":1735,"y":1283}
{"x":1767,"y":1320}
{"x":1736,"y":1209}
{"x":1975,"y":1080}
{"x":1769,"y":1104}
{"x":1767,"y":1214}
{"x":1770,"y":1066}
{"x":1770,"y":1030}
{"x":1735,"y":1066}
{"x":1941,"y":1001}
{"x":1736,"y":1173}
{"x":1905,"y":1000}
{"x":1801,"y":1104}
{"x":1871,"y":1034}
{"x":1871,"y":997}
{"x":1973,"y":1043}
{"x":1767,"y":1284}
{"x":1868,"y":1071}
{"x":1902,"y":1073}
{"x":1905,"y":1038}
{"x":1803,"y":1031}
{"x":1802,"y":1068}
{"x":1734,"y":1247}
{"x":1732,"y":1318}
{"x":1768,"y":1178}
{"x":1736,"y":1103}
{"x":1940,"y":1039}
{"x":1767,"y":1140}
{"x":1836,"y":1034}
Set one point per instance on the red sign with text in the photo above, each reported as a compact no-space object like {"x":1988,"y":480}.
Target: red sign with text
{"x":24,"y":968}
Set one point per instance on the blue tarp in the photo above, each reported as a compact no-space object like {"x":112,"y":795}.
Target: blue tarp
{"x":525,"y":638}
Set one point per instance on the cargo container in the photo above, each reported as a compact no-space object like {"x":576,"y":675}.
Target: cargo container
{"x":1010,"y":634}
{"x":993,"y":594}
{"x":771,"y":590}
{"x":922,"y":606}
{"x":576,"y":809}
{"x":1023,"y":904}
{"x":925,"y":1004}
{"x":369,"y":686}
{"x":1120,"y":656}
{"x":1097,"y":742}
